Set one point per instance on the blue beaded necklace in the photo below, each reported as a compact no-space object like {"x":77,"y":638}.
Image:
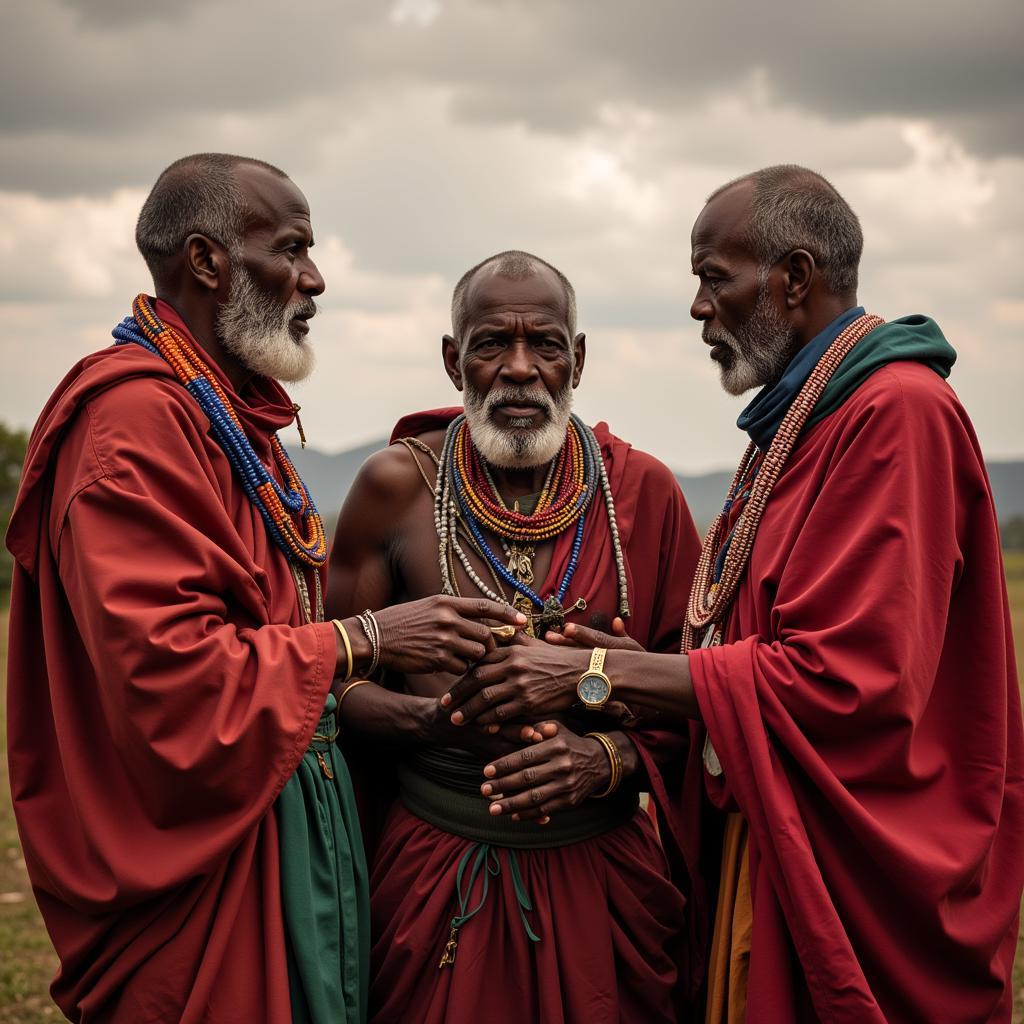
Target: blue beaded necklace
{"x":279,"y":507}
{"x":590,"y":479}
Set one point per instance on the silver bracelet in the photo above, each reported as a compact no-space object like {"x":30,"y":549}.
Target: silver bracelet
{"x":372,"y":631}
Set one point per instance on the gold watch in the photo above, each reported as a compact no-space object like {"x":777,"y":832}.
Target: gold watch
{"x":594,"y":687}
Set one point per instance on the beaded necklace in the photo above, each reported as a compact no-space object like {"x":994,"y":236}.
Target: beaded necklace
{"x":279,"y":507}
{"x":724,"y":555}
{"x":465,"y":495}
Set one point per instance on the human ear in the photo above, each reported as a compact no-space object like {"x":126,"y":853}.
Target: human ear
{"x":799,"y":270}
{"x":207,"y":262}
{"x":579,"y":348}
{"x":450,"y":357}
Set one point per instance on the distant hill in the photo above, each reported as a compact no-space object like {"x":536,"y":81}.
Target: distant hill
{"x":330,"y":476}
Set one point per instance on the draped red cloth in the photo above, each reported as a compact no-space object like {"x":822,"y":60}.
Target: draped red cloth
{"x":615,"y":936}
{"x":160,"y":692}
{"x":866,"y":713}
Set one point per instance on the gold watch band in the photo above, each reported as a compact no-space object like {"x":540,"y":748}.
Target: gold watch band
{"x":597,"y":659}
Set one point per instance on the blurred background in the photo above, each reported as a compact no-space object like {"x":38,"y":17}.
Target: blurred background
{"x":428,"y":134}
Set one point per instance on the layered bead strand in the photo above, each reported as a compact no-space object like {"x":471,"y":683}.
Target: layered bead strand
{"x":279,"y":507}
{"x":710,"y":598}
{"x":465,"y":493}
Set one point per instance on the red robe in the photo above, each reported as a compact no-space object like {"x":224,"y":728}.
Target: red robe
{"x":614,"y":943}
{"x":865,"y":711}
{"x":160,"y":693}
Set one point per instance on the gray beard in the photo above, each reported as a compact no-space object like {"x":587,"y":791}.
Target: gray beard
{"x":255,"y":329}
{"x":520,"y":445}
{"x":759,"y":351}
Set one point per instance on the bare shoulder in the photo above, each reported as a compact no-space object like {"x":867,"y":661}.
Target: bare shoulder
{"x":387,"y":477}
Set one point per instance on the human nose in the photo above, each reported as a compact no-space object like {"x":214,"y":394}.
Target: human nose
{"x":311,"y":281}
{"x":701,"y":308}
{"x":519,"y":364}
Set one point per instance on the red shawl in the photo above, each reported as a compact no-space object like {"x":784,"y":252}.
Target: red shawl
{"x":866,"y":713}
{"x":160,"y":693}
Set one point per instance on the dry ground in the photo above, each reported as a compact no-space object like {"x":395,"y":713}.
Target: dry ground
{"x":27,"y":962}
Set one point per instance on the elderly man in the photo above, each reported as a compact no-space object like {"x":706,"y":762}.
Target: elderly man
{"x":848,"y":642}
{"x":478,"y":917}
{"x":187,"y":823}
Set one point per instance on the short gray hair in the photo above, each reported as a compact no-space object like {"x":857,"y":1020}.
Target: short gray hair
{"x":516,"y":265}
{"x":796,"y":208}
{"x":197,"y":194}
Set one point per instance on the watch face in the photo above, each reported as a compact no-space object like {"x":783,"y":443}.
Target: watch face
{"x":593,"y":689}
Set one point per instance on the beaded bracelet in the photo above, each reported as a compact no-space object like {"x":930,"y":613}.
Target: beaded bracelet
{"x":614,"y":759}
{"x":342,"y":632}
{"x":372,"y":631}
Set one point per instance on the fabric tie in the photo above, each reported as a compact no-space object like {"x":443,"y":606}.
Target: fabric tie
{"x":486,"y":865}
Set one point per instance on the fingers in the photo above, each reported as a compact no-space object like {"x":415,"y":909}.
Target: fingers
{"x":518,"y":782}
{"x":558,"y":639}
{"x":488,"y":670}
{"x":481,"y":608}
{"x":493,"y":705}
{"x":584,"y":636}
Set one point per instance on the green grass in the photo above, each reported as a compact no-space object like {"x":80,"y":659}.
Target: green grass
{"x":28,"y":963}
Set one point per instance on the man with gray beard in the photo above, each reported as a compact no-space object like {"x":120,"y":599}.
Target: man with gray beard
{"x":849,"y":664}
{"x":187,"y":821}
{"x":568,"y":911}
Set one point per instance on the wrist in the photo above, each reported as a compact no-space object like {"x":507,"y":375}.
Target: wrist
{"x":601,"y":765}
{"x":420,"y":718}
{"x":362,"y":651}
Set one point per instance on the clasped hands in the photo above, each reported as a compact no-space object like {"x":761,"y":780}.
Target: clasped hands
{"x":525,"y":681}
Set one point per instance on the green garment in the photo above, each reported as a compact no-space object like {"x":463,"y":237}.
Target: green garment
{"x":324,"y":887}
{"x":911,"y":338}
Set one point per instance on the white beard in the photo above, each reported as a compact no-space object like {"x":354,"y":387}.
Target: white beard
{"x":759,"y":351}
{"x":520,"y":445}
{"x":255,"y":329}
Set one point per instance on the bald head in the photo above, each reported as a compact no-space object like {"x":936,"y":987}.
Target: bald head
{"x":197,"y":194}
{"x":791,"y":207}
{"x":514,"y":265}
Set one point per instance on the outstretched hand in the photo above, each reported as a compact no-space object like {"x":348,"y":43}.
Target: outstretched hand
{"x":529,"y":679}
{"x":557,"y":770}
{"x":440,"y":634}
{"x":575,"y":635}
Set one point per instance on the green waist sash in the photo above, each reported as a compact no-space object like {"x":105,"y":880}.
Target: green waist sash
{"x":443,"y":788}
{"x":324,"y":886}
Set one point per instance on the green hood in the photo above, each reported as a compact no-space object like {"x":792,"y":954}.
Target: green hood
{"x":914,"y":337}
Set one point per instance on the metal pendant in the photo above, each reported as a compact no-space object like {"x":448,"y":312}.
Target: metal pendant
{"x":523,"y":604}
{"x":520,"y":563}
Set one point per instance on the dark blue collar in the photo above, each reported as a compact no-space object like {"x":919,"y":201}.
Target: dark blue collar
{"x":762,"y":417}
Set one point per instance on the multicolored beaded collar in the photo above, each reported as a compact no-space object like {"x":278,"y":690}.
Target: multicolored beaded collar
{"x":465,"y":494}
{"x":282,"y":509}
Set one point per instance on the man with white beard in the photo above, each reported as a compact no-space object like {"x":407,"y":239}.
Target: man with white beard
{"x":569,"y":912}
{"x":187,"y":822}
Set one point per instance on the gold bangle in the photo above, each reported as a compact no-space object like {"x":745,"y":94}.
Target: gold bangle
{"x":614,"y":760}
{"x":343,"y":633}
{"x":344,"y":693}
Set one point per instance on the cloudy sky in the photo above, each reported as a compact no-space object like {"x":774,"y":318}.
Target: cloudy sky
{"x":430,"y":133}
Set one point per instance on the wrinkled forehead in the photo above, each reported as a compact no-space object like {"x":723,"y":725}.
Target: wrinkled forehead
{"x":270,"y":199}
{"x":721,"y":228}
{"x":493,"y":295}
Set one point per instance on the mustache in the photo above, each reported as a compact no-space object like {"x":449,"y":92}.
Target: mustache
{"x":519,"y":396}
{"x":717,"y":336}
{"x":306,"y":307}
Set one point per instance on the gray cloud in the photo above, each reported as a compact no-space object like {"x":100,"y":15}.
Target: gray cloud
{"x":430,"y":134}
{"x":77,"y":72}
